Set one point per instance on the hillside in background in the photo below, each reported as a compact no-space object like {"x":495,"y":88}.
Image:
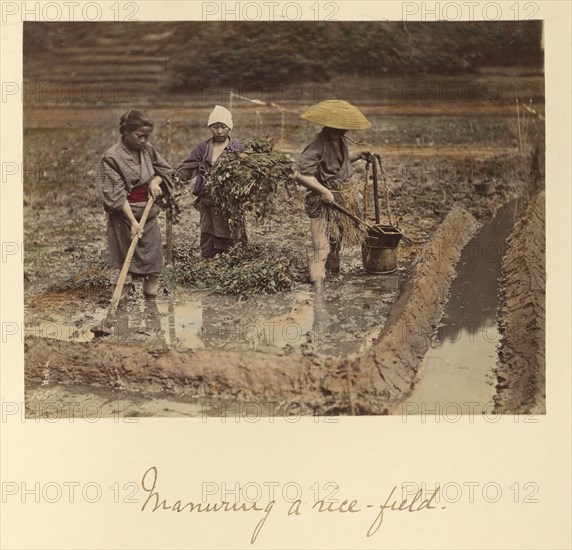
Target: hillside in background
{"x":171,"y":57}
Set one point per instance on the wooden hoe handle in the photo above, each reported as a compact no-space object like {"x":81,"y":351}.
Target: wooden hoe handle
{"x":127,"y":264}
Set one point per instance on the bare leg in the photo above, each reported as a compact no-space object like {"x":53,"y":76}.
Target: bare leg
{"x":113,"y":278}
{"x":151,"y":285}
{"x":333,"y":260}
{"x":321,"y":248}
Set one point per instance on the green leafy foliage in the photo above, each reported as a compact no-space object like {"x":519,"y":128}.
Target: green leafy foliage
{"x":248,"y":181}
{"x":241,"y":271}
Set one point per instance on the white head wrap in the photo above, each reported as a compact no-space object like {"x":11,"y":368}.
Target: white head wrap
{"x":220,"y":114}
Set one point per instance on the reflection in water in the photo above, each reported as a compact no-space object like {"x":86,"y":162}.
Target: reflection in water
{"x":458,"y":371}
{"x":343,"y":320}
{"x":139,"y":321}
{"x":350,"y":310}
{"x":278,"y":323}
{"x":184,"y":323}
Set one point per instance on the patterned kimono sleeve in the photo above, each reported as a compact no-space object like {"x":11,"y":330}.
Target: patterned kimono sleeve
{"x":162,"y":168}
{"x":310,"y":157}
{"x":110,"y":184}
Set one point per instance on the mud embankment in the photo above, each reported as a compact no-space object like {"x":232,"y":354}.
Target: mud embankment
{"x":370,"y":384}
{"x":521,"y":370}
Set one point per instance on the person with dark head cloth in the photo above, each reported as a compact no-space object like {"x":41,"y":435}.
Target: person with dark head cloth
{"x":129,"y":172}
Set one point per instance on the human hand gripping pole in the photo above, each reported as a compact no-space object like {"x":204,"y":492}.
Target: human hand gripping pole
{"x":127,"y":263}
{"x":104,"y":328}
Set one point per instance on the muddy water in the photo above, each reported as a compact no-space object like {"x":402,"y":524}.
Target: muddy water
{"x":344,"y":320}
{"x":457,"y":375}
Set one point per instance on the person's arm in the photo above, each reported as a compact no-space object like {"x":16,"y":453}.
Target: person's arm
{"x":135,"y":228}
{"x":236,"y":146}
{"x":113,"y":194}
{"x":190,"y":166}
{"x":163,"y":174}
{"x":110,"y":184}
{"x":155,"y":187}
{"x":306,"y":166}
{"x":311,"y":183}
{"x":362,"y":155}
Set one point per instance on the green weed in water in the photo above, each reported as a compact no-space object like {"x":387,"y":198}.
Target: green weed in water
{"x":238,"y":272}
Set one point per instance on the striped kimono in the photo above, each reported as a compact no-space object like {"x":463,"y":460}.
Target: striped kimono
{"x":117,"y":176}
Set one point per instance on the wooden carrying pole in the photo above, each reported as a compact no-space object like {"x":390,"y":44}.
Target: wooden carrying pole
{"x":385,"y":188}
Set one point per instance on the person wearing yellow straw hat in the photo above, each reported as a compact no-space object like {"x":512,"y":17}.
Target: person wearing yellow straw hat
{"x":324,"y":167}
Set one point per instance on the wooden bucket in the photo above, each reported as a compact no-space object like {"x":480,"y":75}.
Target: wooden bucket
{"x":379,"y":251}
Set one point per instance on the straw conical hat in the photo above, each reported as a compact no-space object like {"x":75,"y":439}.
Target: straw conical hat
{"x":336,"y":113}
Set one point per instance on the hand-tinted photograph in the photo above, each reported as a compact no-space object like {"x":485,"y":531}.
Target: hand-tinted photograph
{"x":347,"y":218}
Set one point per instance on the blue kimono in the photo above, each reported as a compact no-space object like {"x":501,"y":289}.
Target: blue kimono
{"x":216,"y":235}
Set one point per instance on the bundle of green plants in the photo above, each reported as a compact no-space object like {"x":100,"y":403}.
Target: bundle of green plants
{"x":247,"y":181}
{"x":240,"y":271}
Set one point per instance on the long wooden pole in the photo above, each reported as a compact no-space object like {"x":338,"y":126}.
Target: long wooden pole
{"x":366,"y":227}
{"x":127,"y":264}
{"x":282,"y":124}
{"x":385,"y":187}
{"x":518,"y":126}
{"x":359,"y":222}
{"x":169,"y":215}
{"x":376,"y":194}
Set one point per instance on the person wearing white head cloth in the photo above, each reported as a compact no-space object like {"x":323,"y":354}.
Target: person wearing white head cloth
{"x":220,"y":114}
{"x":216,"y":235}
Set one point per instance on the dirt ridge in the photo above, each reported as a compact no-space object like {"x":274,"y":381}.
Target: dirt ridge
{"x":521,"y":369}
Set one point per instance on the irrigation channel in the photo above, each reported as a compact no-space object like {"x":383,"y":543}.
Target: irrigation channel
{"x":457,"y":374}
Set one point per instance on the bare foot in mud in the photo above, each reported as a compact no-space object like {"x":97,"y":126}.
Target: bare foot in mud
{"x":319,"y":286}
